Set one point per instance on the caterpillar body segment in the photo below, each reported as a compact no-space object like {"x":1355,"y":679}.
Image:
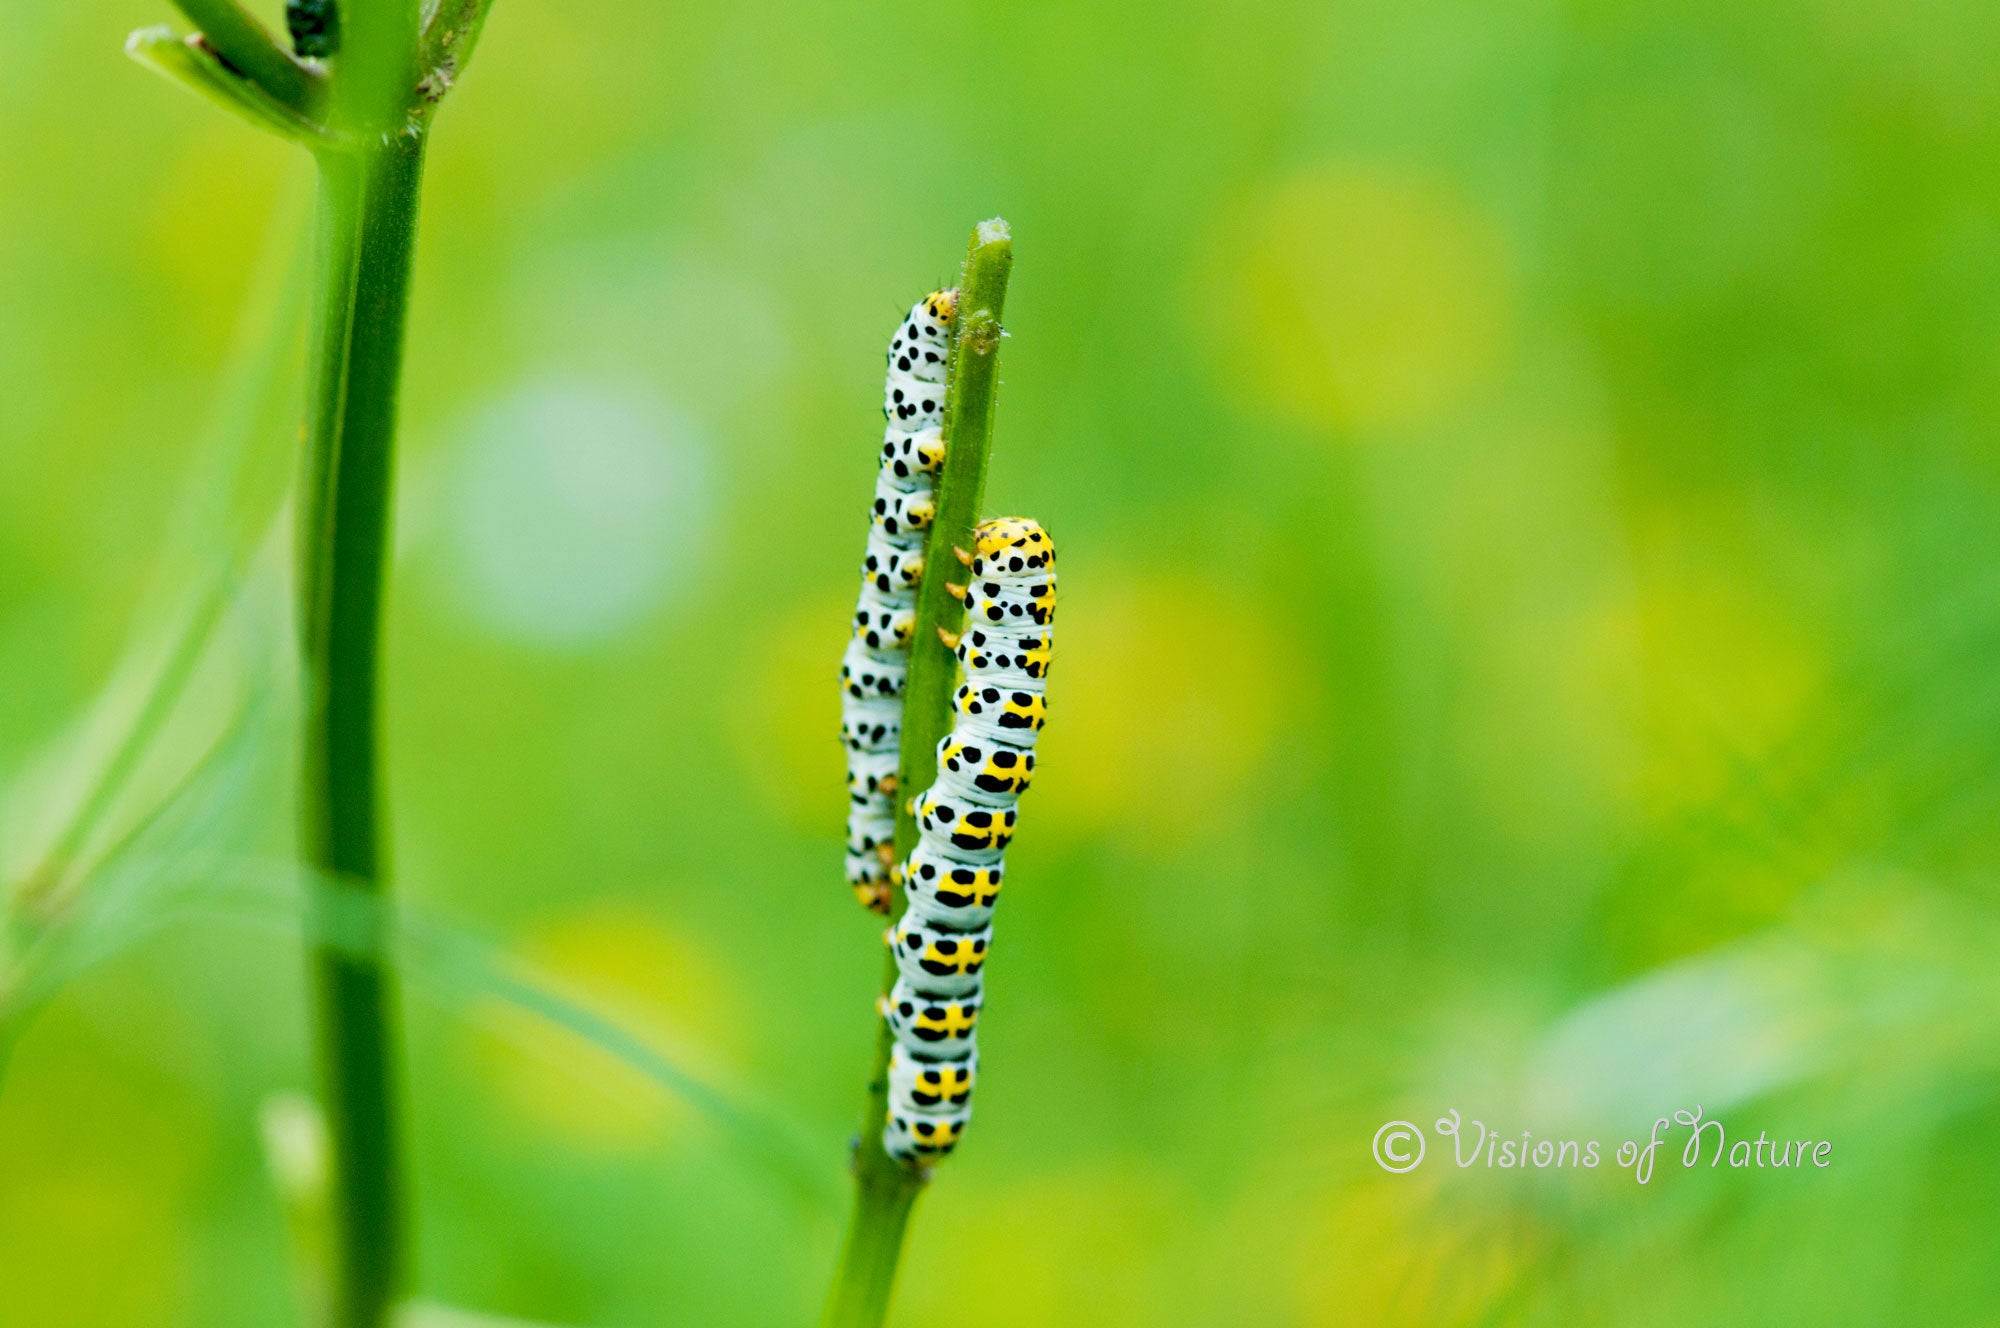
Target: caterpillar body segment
{"x":911,"y":403}
{"x":884,"y":624}
{"x":906,"y":457}
{"x":1011,"y":659}
{"x":870,"y":725}
{"x":974,"y":770}
{"x":865,"y":674}
{"x":911,"y":1137}
{"x":871,"y":775}
{"x":934,"y":959}
{"x":929,"y":1088}
{"x":904,"y":514}
{"x":931,"y":1027}
{"x":929,"y":1102}
{"x":945,"y":892}
{"x":889,"y":567}
{"x":1012,"y":715}
{"x":968,"y":832}
{"x":1014,"y":606}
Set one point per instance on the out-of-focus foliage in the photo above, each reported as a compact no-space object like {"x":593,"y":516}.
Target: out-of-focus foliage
{"x":1530,"y":523}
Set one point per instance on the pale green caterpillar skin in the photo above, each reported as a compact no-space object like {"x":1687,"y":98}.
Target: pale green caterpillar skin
{"x":965,"y":820}
{"x":875,"y":668}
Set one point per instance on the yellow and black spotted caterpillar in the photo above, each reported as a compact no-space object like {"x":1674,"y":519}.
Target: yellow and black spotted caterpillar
{"x":873,"y":671}
{"x":966,"y":818}
{"x":965,"y":821}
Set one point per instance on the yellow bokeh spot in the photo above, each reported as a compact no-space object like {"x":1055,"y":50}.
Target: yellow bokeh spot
{"x":785,"y":714}
{"x":105,"y":1159}
{"x":1164,"y":697}
{"x":1353,"y":296}
{"x":1727,"y":677}
{"x":56,"y":1231}
{"x":655,"y":984}
{"x":1079,"y":1247}
{"x":1388,"y":1252}
{"x":208,"y":220}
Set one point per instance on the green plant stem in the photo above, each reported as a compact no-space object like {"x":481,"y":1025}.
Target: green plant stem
{"x":885,"y":1189}
{"x":366,"y":235}
{"x":377,"y":98}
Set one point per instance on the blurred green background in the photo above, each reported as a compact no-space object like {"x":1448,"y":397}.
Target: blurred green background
{"x":1530,"y":530}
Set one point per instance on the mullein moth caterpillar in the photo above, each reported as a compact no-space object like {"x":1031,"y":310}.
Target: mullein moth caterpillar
{"x":874,"y":669}
{"x":965,"y":821}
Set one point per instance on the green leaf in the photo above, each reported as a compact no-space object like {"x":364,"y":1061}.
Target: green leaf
{"x":243,"y":44}
{"x":192,"y":63}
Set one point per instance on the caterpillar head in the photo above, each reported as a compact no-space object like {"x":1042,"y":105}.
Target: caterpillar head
{"x":1011,"y":605}
{"x":864,"y":676}
{"x":936,"y":960}
{"x":909,"y":455}
{"x":991,"y":769}
{"x":943,"y":889}
{"x":920,"y":1087}
{"x":1012,"y":546}
{"x":918,"y":346}
{"x":983,"y":653}
{"x":902,"y":515}
{"x":964,"y":827}
{"x":942,"y":305}
{"x":911,"y":402}
{"x":1006,"y":711}
{"x":909,"y":1137}
{"x":939,"y":1026}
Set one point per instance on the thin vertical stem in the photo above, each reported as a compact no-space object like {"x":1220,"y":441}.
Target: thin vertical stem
{"x":367,"y":233}
{"x":885,"y":1189}
{"x":364,"y":116}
